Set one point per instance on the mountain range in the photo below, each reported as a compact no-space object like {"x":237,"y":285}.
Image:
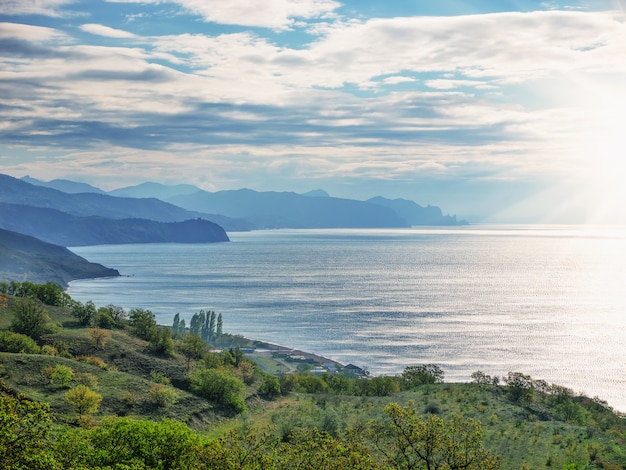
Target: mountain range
{"x":69,"y":213}
{"x":271,"y":210}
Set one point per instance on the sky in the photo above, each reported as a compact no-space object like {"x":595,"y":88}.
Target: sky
{"x":501,"y":110}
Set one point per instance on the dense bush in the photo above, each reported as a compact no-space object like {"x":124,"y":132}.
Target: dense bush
{"x":24,"y":432}
{"x":18,"y":343}
{"x":128,"y":444}
{"x":30,"y":318}
{"x":219,"y":386}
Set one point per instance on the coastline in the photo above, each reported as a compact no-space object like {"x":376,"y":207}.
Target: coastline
{"x":290,"y":359}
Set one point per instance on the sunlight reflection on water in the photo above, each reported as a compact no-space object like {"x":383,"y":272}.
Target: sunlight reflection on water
{"x":544,"y":300}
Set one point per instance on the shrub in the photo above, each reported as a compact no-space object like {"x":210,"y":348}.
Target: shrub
{"x":83,"y":399}
{"x":162,"y":396}
{"x":85,"y":378}
{"x":124,"y":443}
{"x":24,"y":432}
{"x":49,"y":350}
{"x":60,"y":376}
{"x":103,"y":319}
{"x":220,"y":387}
{"x":162,"y":343}
{"x":17,"y":343}
{"x":270,"y":387}
{"x":159,"y":378}
{"x":94,"y":361}
{"x":99,"y":337}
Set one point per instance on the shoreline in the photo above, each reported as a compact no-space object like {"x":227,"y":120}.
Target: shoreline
{"x":291,"y":358}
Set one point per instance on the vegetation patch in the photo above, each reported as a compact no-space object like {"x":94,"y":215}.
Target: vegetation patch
{"x":89,"y":387}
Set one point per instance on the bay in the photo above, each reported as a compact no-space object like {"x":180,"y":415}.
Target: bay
{"x":549,"y":301}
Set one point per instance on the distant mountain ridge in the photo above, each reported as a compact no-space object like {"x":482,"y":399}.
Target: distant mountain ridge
{"x":26,"y":258}
{"x":270,"y":210}
{"x":151,"y":205}
{"x":14,"y":191}
{"x":60,"y":228}
{"x":156,"y":190}
{"x":415,"y":214}
{"x":67,"y":186}
{"x":243,"y":209}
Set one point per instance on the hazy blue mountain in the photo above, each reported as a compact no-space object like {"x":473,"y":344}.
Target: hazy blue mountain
{"x":14,"y":191}
{"x":290,"y":210}
{"x":65,"y":229}
{"x":24,"y":258}
{"x":156,"y":190}
{"x":317,"y":193}
{"x":66,"y":186}
{"x":415,"y":214}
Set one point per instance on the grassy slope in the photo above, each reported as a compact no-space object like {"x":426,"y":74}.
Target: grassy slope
{"x":525,"y":436}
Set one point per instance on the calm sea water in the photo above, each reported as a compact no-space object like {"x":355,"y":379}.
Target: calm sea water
{"x":544,"y":300}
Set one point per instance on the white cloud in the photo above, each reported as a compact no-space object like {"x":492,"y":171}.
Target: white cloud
{"x":395,"y":80}
{"x":31,"y":33}
{"x":245,"y":106}
{"x":106,"y":31}
{"x":34,"y":7}
{"x":275,"y":14}
{"x":491,"y":50}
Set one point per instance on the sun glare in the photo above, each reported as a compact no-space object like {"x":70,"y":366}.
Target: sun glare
{"x":602,"y":171}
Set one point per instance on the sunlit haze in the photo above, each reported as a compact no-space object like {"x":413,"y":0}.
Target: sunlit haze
{"x":507,"y":111}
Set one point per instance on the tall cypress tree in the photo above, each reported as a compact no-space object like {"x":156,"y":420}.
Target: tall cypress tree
{"x":195,"y":328}
{"x":176,"y":324}
{"x":218,"y":332}
{"x":211,"y":322}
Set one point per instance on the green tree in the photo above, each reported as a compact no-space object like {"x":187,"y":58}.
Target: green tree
{"x":18,"y":343}
{"x":413,"y":376}
{"x":143,"y":323}
{"x":83,"y":399}
{"x":519,"y":387}
{"x":84,"y":313}
{"x":122,"y":443}
{"x":30,"y":318}
{"x":309,"y":383}
{"x":270,"y":387}
{"x":98,"y":337}
{"x":411,"y":441}
{"x":175,"y":325}
{"x":311,"y":449}
{"x":116,"y":313}
{"x":197,"y":320}
{"x":193,"y":348}
{"x":210,"y":335}
{"x":219,"y":326}
{"x":51,"y":294}
{"x":378,"y":386}
{"x":24,"y":432}
{"x":161,"y":342}
{"x":240,"y":451}
{"x":220,"y":387}
{"x":61,"y":376}
{"x":479,"y":377}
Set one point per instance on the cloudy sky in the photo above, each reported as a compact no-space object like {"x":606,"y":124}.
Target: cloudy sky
{"x":505,"y":109}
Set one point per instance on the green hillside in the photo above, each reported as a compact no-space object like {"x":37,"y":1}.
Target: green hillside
{"x":26,"y":258}
{"x":111,"y":389}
